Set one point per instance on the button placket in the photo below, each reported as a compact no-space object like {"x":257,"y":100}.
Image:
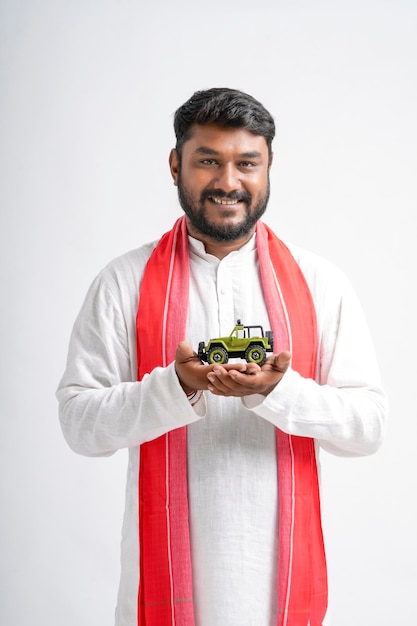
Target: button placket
{"x":225,"y":297}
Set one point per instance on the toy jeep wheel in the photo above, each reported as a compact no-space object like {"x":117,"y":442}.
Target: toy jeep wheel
{"x":256,"y":354}
{"x":217,"y":355}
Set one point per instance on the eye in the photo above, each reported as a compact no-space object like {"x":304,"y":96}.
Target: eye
{"x":247,"y":164}
{"x":209,"y":162}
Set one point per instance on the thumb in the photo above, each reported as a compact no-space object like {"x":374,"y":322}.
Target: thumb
{"x":282,"y":361}
{"x":184,"y":351}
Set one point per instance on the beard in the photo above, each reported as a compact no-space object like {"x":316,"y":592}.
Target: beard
{"x":197,"y":214}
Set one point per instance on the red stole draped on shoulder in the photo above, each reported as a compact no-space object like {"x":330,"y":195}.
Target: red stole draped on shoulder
{"x":165,"y":590}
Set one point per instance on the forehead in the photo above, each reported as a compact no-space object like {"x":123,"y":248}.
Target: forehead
{"x":224,"y":139}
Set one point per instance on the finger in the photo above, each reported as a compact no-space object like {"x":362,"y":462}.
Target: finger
{"x":216,"y":379}
{"x":252,"y":368}
{"x":216,"y":386}
{"x":228,"y":382}
{"x":279,"y":362}
{"x":283,"y":361}
{"x":246,"y":381}
{"x":219,"y":381}
{"x":239,"y":366}
{"x":185,"y":351}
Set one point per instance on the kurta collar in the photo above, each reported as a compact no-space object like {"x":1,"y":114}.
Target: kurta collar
{"x":197,"y":248}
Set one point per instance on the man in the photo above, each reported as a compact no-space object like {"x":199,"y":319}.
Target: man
{"x":222,"y":523}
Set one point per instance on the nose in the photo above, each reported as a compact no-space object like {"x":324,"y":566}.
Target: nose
{"x":227,"y":178}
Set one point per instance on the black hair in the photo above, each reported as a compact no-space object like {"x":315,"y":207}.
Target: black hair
{"x":226,"y":107}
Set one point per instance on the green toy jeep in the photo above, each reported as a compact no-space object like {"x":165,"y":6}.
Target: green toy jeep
{"x":246,"y":342}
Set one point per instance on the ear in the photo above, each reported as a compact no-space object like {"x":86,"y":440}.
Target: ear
{"x":271,"y":158}
{"x":174,"y":165}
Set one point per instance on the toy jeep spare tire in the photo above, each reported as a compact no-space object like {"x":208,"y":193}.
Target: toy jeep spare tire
{"x":245,"y":342}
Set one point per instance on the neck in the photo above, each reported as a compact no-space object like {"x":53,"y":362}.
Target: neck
{"x":219,"y":249}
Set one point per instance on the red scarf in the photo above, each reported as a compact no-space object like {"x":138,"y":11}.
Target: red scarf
{"x":165,"y":591}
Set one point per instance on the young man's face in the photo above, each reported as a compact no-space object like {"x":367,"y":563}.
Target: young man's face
{"x":223,"y":181}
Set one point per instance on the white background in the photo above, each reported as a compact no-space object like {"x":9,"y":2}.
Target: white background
{"x":88,"y":89}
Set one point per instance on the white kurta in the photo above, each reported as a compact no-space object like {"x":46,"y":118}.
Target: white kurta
{"x":231,"y":442}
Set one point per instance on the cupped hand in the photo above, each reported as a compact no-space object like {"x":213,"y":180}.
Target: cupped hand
{"x":192,"y":373}
{"x":227,"y":381}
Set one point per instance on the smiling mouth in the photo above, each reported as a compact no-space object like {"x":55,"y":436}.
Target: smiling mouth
{"x":224,"y":201}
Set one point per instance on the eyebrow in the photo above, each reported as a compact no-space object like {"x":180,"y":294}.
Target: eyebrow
{"x":205,"y":150}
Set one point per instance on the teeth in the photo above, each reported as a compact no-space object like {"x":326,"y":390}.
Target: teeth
{"x":224,"y":201}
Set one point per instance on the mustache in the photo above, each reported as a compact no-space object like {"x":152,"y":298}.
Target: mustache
{"x":241,"y":196}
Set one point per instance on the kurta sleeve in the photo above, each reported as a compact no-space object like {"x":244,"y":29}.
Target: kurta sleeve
{"x":345,"y":408}
{"x":102,"y":407}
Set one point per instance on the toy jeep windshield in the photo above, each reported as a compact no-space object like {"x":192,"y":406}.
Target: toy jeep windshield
{"x":245,"y":342}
